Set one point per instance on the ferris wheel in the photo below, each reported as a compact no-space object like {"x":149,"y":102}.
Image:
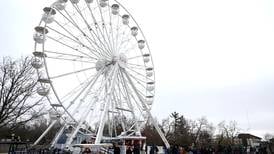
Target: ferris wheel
{"x":95,"y":69}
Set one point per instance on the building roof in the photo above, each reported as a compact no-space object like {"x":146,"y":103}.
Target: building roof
{"x":248,"y":136}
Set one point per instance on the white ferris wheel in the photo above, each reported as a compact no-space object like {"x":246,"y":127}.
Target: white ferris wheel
{"x":95,"y":69}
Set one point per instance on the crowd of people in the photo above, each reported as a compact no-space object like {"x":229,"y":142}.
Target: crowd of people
{"x":140,"y":148}
{"x":218,"y":150}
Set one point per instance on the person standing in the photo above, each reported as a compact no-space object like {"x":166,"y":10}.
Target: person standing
{"x":116,"y":148}
{"x":136,"y":149}
{"x":129,"y":150}
{"x":153,"y":149}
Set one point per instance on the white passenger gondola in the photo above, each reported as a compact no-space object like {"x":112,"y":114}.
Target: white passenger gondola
{"x":37,"y":63}
{"x":141,"y":44}
{"x":60,"y":4}
{"x":149,"y":100}
{"x":150,"y":86}
{"x":40,"y":34}
{"x":89,"y":1}
{"x":115,"y":9}
{"x":43,"y":90}
{"x":125,"y":19}
{"x":48,"y":16}
{"x":146,"y":58}
{"x":74,"y":1}
{"x":103,"y":3}
{"x":134,"y":31}
{"x":149,"y":72}
{"x":39,"y":54}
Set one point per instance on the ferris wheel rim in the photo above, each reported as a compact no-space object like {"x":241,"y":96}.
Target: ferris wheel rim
{"x":139,"y":28}
{"x":53,"y":86}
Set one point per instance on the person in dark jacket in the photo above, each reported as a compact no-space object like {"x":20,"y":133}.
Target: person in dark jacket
{"x":129,"y":150}
{"x":116,"y":148}
{"x":136,"y":149}
{"x":153,"y":149}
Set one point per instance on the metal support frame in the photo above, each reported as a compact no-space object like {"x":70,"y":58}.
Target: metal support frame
{"x":45,"y":132}
{"x":92,"y":82}
{"x":108,"y":99}
{"x":148,"y":111}
{"x":88,"y":109}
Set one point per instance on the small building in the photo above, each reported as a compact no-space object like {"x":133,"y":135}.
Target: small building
{"x":249,"y":140}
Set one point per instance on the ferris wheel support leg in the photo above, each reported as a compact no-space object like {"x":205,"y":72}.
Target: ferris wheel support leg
{"x":83,"y":117}
{"x":154,"y":122}
{"x":137,"y":126}
{"x":148,"y":111}
{"x":60,"y":132}
{"x":102,"y":123}
{"x":45,"y":132}
{"x":108,"y":98}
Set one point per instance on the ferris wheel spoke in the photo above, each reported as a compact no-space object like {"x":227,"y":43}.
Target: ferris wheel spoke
{"x":117,"y":32}
{"x":74,"y":90}
{"x":130,"y":49}
{"x":128,"y":94}
{"x":63,"y":54}
{"x":140,"y":108}
{"x":122,"y":35}
{"x":117,"y":97}
{"x":78,"y":90}
{"x":124,"y":43}
{"x":146,"y":109}
{"x":88,"y":86}
{"x":105,"y":45}
{"x":139,"y":81}
{"x":127,"y":40}
{"x":111,"y":28}
{"x":104,"y":24}
{"x":91,"y":42}
{"x":68,"y":46}
{"x":87,"y":24}
{"x":98,"y":29}
{"x":132,"y":58}
{"x":122,"y":91}
{"x":137,"y":73}
{"x":70,"y":73}
{"x":76,"y":39}
{"x":70,"y":20}
{"x":139,"y":94}
{"x":137,"y":66}
{"x":125,"y":88}
{"x":67,"y":59}
{"x":123,"y":40}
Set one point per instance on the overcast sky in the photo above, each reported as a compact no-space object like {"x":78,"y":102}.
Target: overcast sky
{"x":213,"y":58}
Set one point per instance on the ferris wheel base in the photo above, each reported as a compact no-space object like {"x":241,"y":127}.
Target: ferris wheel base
{"x":92,"y":145}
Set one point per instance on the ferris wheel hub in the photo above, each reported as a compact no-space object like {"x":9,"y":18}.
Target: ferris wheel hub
{"x":121,"y":59}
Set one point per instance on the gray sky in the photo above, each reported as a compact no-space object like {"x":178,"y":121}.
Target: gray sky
{"x":213,"y":58}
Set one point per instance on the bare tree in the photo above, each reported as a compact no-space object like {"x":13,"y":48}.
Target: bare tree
{"x":17,"y":92}
{"x":228,"y":132}
{"x":268,"y":137}
{"x":202,"y":131}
